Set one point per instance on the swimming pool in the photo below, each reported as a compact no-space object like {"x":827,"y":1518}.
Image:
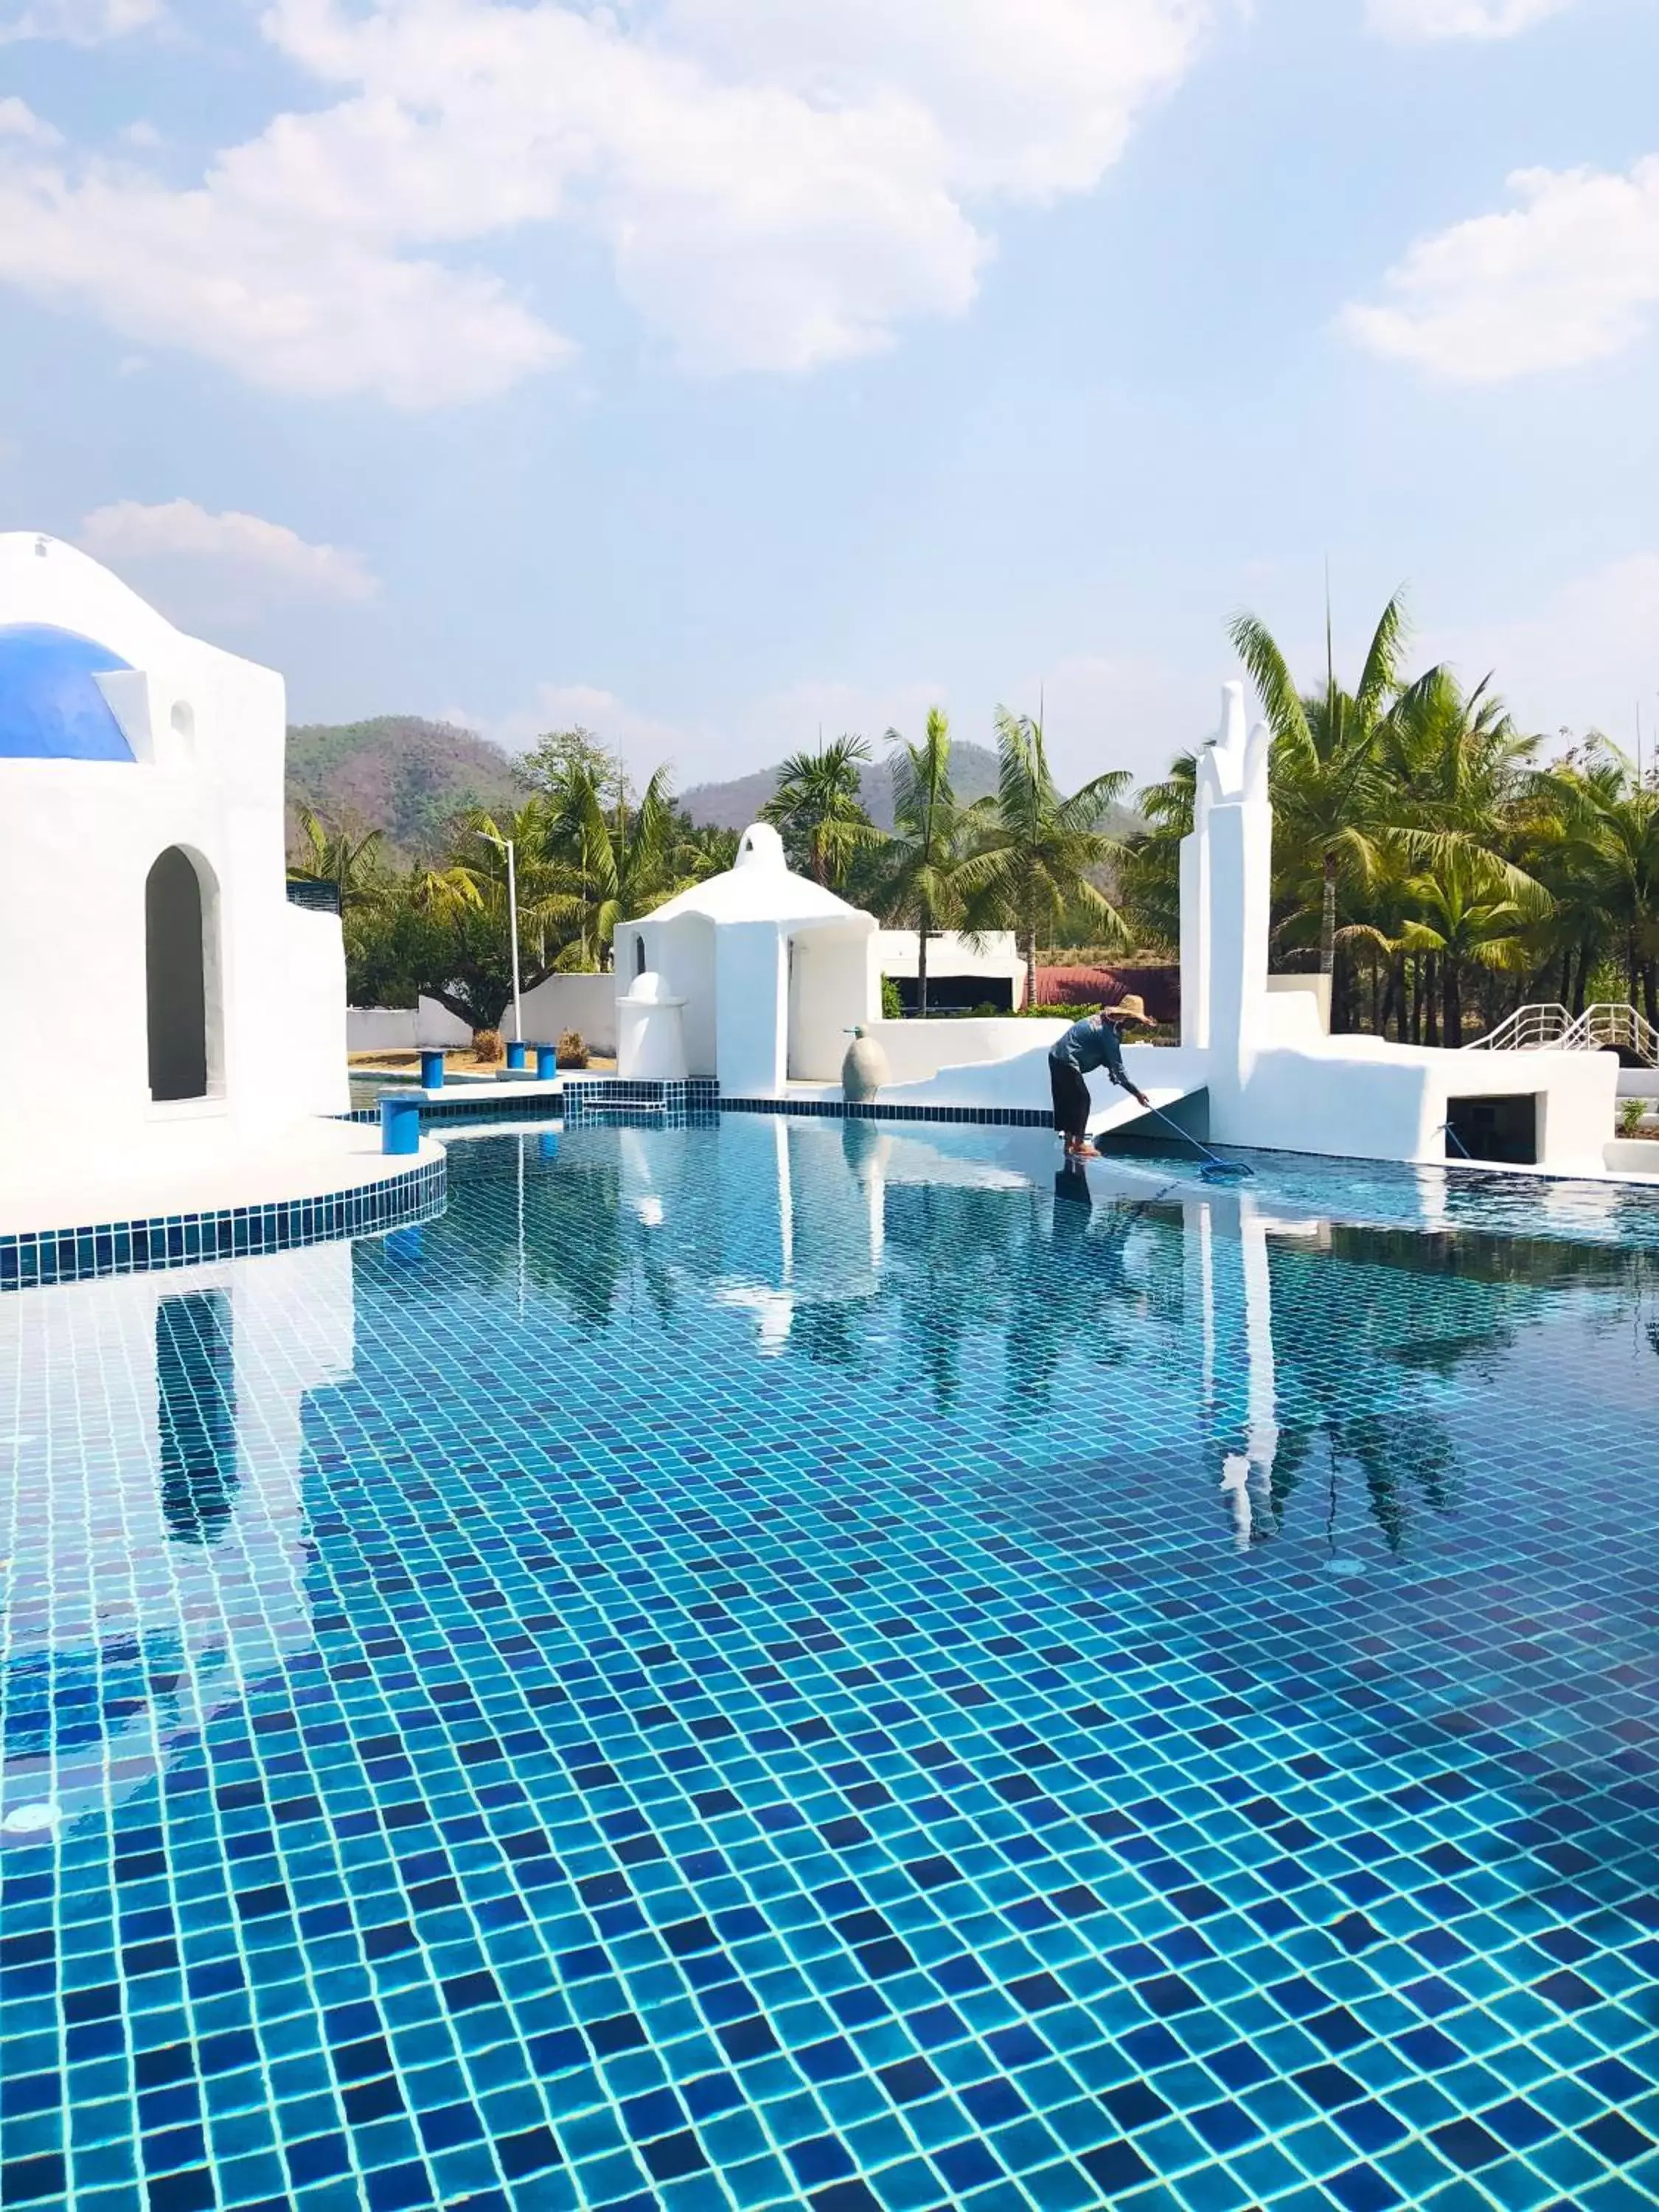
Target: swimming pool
{"x":785,"y":1663}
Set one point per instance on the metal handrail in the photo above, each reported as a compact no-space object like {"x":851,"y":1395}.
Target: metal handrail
{"x":1610,"y":1024}
{"x":1551,"y":1027}
{"x":1528,"y":1029}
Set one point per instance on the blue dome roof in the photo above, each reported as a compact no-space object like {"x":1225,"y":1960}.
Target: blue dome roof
{"x":49,"y":706}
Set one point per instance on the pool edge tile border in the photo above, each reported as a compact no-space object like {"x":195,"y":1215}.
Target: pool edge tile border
{"x":37,"y":1259}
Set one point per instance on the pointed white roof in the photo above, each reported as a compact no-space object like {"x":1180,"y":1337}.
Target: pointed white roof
{"x":761,"y":887}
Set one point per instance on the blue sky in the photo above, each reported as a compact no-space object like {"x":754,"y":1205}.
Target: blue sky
{"x":710,"y":371}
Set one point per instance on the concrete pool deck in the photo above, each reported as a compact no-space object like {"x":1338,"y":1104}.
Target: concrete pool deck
{"x":198,"y":1167}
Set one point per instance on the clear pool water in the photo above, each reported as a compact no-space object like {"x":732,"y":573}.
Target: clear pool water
{"x":785,"y":1664}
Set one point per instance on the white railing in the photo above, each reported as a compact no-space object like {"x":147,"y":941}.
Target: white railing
{"x":1552,"y":1029}
{"x":1528,"y":1029}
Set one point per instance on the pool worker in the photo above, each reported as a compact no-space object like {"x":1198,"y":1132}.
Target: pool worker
{"x":1095,"y":1042}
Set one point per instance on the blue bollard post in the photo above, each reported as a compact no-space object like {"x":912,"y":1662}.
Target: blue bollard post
{"x":431,"y":1070}
{"x":515,"y":1055}
{"x":549,"y":1145}
{"x":400,"y":1123}
{"x":547,"y":1062}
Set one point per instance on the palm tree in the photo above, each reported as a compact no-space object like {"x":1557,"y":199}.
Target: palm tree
{"x":1036,"y":863}
{"x":339,"y":854}
{"x":819,"y":808}
{"x":1466,"y":917}
{"x":1457,"y":783}
{"x":1150,"y":873}
{"x":1611,"y":843}
{"x":1326,"y":768}
{"x":922,"y":859}
{"x":619,"y":864}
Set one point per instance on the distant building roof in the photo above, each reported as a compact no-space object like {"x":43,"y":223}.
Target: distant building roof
{"x":51,"y":705}
{"x":761,"y":887}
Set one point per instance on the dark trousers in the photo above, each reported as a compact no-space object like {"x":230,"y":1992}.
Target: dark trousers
{"x":1072,"y":1100}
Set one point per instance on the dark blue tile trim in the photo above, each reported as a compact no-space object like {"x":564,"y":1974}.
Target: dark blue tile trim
{"x":474,"y":1105}
{"x":839,"y":1110}
{"x":40,"y":1257}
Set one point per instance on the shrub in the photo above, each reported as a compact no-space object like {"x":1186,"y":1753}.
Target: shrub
{"x":1630,"y":1111}
{"x":487,"y":1047}
{"x":571,"y":1051}
{"x":892,"y":1006}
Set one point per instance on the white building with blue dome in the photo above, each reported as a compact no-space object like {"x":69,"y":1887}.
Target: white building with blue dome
{"x":167,"y":1016}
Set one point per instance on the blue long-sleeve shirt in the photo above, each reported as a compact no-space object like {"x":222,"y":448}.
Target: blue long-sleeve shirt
{"x":1091,"y":1043}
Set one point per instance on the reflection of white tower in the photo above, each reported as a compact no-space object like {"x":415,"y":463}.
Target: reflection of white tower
{"x":1229,"y":1270}
{"x":771,"y":1216}
{"x":151,"y":1510}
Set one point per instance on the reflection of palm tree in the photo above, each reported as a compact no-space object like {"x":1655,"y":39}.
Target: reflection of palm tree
{"x":1353,"y":1393}
{"x":947,"y":1254}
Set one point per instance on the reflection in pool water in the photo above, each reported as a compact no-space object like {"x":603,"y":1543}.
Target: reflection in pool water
{"x":799,"y":1663}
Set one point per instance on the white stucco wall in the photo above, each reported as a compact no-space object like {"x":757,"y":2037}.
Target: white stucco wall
{"x":834,"y":985}
{"x":751,"y":984}
{"x":587,"y":1004}
{"x":684,"y":956}
{"x":381,"y":1028}
{"x":405,"y":1029}
{"x":916,"y":1051}
{"x":77,"y":840}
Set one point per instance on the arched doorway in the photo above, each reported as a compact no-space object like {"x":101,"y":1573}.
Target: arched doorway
{"x":175,"y":974}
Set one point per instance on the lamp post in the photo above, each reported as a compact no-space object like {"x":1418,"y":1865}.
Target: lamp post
{"x":505,"y":844}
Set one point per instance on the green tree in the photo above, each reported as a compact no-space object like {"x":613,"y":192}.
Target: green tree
{"x":819,"y":808}
{"x":1466,"y":919}
{"x":343,"y":853}
{"x":1456,"y":782}
{"x":616,"y":863}
{"x":1040,"y":857}
{"x":557,"y":754}
{"x":921,"y":863}
{"x":1610,"y":842}
{"x":1326,"y":769}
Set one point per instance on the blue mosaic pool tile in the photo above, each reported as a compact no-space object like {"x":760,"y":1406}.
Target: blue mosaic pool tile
{"x":776,"y":1665}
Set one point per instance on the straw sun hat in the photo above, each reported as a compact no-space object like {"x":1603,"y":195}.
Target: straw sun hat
{"x":1131,"y":1008}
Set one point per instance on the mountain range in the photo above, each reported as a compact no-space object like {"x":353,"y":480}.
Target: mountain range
{"x":410,"y":778}
{"x":734,"y":805}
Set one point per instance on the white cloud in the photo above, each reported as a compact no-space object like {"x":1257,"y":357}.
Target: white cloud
{"x":1571,"y":276}
{"x":18,"y":122}
{"x":246,"y":560}
{"x":1415,"y":20}
{"x":79,"y":23}
{"x":284,"y":300}
{"x":776,"y":188}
